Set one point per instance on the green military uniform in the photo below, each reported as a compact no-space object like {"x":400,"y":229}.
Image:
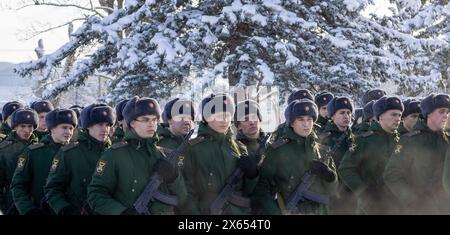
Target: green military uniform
{"x":166,"y":138}
{"x":362,"y":128}
{"x":31,"y":173}
{"x":287,"y":161}
{"x":9,"y":152}
{"x":41,"y":134}
{"x":118,"y":134}
{"x":5,"y":129}
{"x":362,"y":170}
{"x":122,"y":173}
{"x":402,"y":129}
{"x":321,"y":124}
{"x":71,"y":173}
{"x":210,"y":160}
{"x":414,"y":172}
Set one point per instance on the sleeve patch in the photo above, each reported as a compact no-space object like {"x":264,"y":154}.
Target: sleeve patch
{"x":55,"y":164}
{"x":101,"y":165}
{"x":21,"y":162}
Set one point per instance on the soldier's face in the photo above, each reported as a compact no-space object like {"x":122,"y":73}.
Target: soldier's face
{"x":180,"y":125}
{"x":323,"y":111}
{"x":342,"y":118}
{"x":145,"y":126}
{"x":42,"y":125}
{"x":219,"y":122}
{"x":100,"y":131}
{"x":62,"y":133}
{"x":250,"y":126}
{"x":303,"y":125}
{"x":24,"y":131}
{"x":390,"y":120}
{"x":410,"y":120}
{"x":436,"y":120}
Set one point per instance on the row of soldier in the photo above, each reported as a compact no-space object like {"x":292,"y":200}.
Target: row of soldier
{"x":390,"y":160}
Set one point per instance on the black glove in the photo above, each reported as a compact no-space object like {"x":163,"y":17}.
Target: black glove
{"x":36,"y":211}
{"x":70,"y":210}
{"x":130,"y":211}
{"x":166,"y":170}
{"x":248,"y":166}
{"x":321,"y":169}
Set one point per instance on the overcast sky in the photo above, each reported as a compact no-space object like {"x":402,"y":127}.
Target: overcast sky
{"x":16,"y":24}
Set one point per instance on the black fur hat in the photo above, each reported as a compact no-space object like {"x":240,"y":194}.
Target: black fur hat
{"x":42,"y":106}
{"x":386,"y":103}
{"x":61,"y":116}
{"x":411,"y":106}
{"x":434,"y":101}
{"x":216,"y":103}
{"x":119,"y":109}
{"x":368,"y":110}
{"x":244,"y":108}
{"x":302,"y":107}
{"x":97,"y":113}
{"x":372,"y":95}
{"x":300,"y":94}
{"x":180,"y":107}
{"x":323,"y":98}
{"x":140,"y":106}
{"x":9,"y":108}
{"x":358,"y":113}
{"x":24,"y":116}
{"x":339,"y":103}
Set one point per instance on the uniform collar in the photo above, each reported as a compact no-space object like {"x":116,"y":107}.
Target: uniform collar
{"x":205,"y":130}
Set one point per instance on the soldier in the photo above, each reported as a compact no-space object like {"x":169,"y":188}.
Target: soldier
{"x":120,"y":124}
{"x":74,"y":164}
{"x":34,"y":163}
{"x":374,"y":95}
{"x":42,"y":108}
{"x":409,"y":116}
{"x":178,"y":116}
{"x":77,"y":109}
{"x":7,"y":110}
{"x":23,"y":122}
{"x":340,"y":110}
{"x":124,"y":170}
{"x":368,"y":119}
{"x":415,"y":170}
{"x":362,"y":167}
{"x":289,"y":158}
{"x":358,"y":119}
{"x":213,"y":156}
{"x":321,"y":101}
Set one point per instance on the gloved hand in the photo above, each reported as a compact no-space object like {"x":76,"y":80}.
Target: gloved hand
{"x":249,"y":166}
{"x":36,"y":211}
{"x":70,"y":210}
{"x":130,"y":211}
{"x":166,"y":170}
{"x":322,"y":170}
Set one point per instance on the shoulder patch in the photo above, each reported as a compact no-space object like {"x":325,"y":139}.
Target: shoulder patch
{"x":119,"y":144}
{"x":197,"y":140}
{"x":21,"y":162}
{"x":69,"y":146}
{"x":279,"y":143}
{"x":36,"y":146}
{"x":367,"y":133}
{"x":323,"y":135}
{"x":101,"y":165}
{"x":5,"y":143}
{"x":412,"y":133}
{"x":55,"y":164}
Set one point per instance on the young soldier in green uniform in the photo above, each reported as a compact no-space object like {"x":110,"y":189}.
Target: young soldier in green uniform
{"x":367,"y":120}
{"x":358,"y":119}
{"x":362,"y":167}
{"x":23,"y":122}
{"x":120,"y":124}
{"x":409,"y":116}
{"x":77,"y":109}
{"x":287,"y":161}
{"x":7,"y":110}
{"x":415,"y":170}
{"x":124,"y":170}
{"x":74,"y":164}
{"x":213,"y":156}
{"x":340,"y":110}
{"x":42,"y":108}
{"x":34,"y":163}
{"x":321,"y":100}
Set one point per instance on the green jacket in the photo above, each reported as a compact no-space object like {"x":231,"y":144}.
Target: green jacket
{"x":415,"y":170}
{"x":5,"y":129}
{"x":210,"y":159}
{"x":288,"y":159}
{"x":9,"y":152}
{"x":362,"y":170}
{"x":321,"y":124}
{"x":41,"y":134}
{"x":328,"y":139}
{"x":31,"y":173}
{"x":170,"y":141}
{"x":118,"y":134}
{"x":402,"y":130}
{"x":122,"y":173}
{"x":362,"y":128}
{"x":71,"y":172}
